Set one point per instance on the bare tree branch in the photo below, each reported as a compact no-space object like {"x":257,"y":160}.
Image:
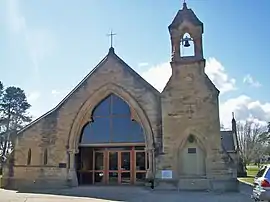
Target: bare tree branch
{"x":250,"y":141}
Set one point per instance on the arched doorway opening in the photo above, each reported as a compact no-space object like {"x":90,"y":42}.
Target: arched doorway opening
{"x":112,"y":146}
{"x":192,"y":158}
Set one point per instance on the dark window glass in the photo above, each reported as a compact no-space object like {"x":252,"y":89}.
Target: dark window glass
{"x":125,"y":161}
{"x":125,"y":178}
{"x":136,"y":132}
{"x":261,"y":172}
{"x":97,"y":132}
{"x":112,"y":123}
{"x":103,"y":108}
{"x":120,"y":129}
{"x":113,"y":177}
{"x":119,"y":106}
{"x":29,"y":157}
{"x":140,"y":177}
{"x":101,"y":128}
{"x":45,"y":157}
{"x":99,"y":177}
{"x":140,"y":161}
{"x":99,"y":161}
{"x":113,"y":160}
{"x":267,"y":175}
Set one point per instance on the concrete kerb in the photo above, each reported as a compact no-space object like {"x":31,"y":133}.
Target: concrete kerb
{"x":244,"y":182}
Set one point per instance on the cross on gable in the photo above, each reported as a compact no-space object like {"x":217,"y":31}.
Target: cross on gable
{"x":111,"y":35}
{"x":190,"y":109}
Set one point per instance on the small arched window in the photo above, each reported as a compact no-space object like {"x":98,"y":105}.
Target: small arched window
{"x":29,"y":157}
{"x":45,"y":157}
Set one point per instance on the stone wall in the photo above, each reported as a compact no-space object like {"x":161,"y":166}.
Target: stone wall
{"x":190,"y":106}
{"x":54,"y":131}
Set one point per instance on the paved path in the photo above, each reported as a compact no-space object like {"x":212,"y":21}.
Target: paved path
{"x":129,"y":194}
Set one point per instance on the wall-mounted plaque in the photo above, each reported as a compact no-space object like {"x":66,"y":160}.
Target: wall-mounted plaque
{"x":62,"y":165}
{"x":192,"y":150}
{"x":166,"y":174}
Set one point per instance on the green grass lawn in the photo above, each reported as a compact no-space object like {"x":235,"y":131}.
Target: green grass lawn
{"x":251,"y":173}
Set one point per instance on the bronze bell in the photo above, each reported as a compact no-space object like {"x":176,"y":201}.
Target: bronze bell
{"x":186,"y":42}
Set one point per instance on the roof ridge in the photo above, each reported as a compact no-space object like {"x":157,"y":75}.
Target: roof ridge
{"x":64,"y":99}
{"x":136,"y":73}
{"x":110,"y":53}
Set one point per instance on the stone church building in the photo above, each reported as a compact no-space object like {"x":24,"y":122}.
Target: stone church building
{"x":115,"y":128}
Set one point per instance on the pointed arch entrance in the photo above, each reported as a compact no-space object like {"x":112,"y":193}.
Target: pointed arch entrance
{"x":192,"y":158}
{"x":192,"y":155}
{"x":112,"y":145}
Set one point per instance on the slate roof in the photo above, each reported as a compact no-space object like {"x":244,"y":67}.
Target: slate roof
{"x":227,"y":140}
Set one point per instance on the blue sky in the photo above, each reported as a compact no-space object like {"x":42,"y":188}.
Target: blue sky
{"x":48,"y":46}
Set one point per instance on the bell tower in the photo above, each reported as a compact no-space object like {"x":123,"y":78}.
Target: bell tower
{"x":191,"y":144}
{"x":185,"y":29}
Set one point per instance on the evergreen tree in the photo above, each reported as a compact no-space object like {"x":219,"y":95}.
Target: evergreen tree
{"x":13,"y":117}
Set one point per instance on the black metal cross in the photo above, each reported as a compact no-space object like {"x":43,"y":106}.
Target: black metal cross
{"x":111,"y":36}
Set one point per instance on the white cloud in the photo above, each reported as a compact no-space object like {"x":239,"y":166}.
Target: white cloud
{"x":39,"y":42}
{"x":216,"y":72}
{"x":143,"y":64}
{"x":42,"y":103}
{"x":248,"y":79}
{"x":58,"y":95}
{"x":16,"y":21}
{"x":33,"y":97}
{"x":159,"y":75}
{"x":55,"y":92}
{"x":245,"y":108}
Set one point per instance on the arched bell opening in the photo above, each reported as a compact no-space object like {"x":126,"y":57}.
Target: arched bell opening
{"x":192,"y":158}
{"x":112,"y":145}
{"x":187,"y":46}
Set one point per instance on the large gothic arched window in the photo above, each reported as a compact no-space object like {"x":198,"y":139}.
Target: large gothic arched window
{"x":112,"y":123}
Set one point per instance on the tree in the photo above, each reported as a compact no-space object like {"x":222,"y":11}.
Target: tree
{"x":223,"y":128}
{"x":251,"y":144}
{"x":1,"y":121}
{"x":1,"y":88}
{"x":265,"y":136}
{"x":13,"y":117}
{"x":265,"y":139}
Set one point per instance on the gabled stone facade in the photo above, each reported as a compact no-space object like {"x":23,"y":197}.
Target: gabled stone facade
{"x":181,"y":125}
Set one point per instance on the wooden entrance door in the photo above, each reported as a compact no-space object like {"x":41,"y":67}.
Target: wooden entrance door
{"x":113,"y":165}
{"x":119,"y":167}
